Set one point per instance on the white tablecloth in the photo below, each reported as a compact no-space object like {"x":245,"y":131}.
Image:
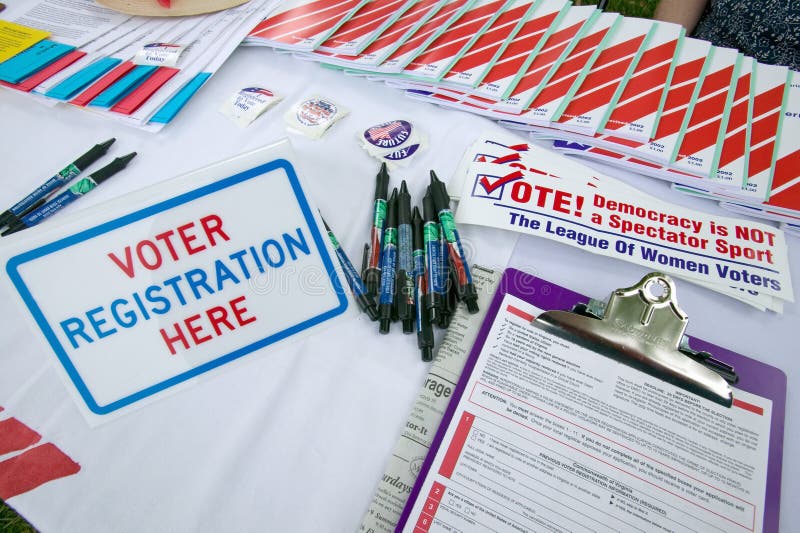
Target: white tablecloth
{"x":295,"y":438}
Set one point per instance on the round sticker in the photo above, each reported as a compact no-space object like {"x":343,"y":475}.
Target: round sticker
{"x":403,"y":153}
{"x":315,"y":112}
{"x":389,"y":134}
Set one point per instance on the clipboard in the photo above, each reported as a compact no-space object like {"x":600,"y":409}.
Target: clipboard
{"x":613,"y":448}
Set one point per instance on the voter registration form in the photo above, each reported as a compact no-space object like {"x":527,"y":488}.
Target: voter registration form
{"x":549,"y":436}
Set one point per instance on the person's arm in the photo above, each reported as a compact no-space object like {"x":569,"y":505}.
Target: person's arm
{"x":683,"y":12}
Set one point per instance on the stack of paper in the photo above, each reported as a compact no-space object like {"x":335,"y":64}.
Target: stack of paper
{"x":508,"y":184}
{"x":631,"y":92}
{"x":138,"y":70}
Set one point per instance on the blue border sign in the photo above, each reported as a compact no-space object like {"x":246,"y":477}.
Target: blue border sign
{"x":13,"y":265}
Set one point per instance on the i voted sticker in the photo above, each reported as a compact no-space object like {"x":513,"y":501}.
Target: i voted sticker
{"x":313,"y":117}
{"x":159,"y":54}
{"x":246,"y":105}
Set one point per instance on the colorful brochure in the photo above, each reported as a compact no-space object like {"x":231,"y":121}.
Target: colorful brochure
{"x":685,"y":85}
{"x":639,"y":107}
{"x":701,"y":142}
{"x":602,"y":87}
{"x":437,"y":58}
{"x":100,"y":49}
{"x":16,"y":38}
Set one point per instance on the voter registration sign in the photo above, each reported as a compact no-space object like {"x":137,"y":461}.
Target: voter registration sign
{"x":145,"y":301}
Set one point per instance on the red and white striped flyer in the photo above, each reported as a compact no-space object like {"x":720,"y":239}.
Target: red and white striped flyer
{"x":470,"y":69}
{"x":450,"y":12}
{"x":637,"y":111}
{"x":701,"y":142}
{"x":683,"y":90}
{"x":785,"y":187}
{"x":554,"y":50}
{"x":571,"y":71}
{"x":771,"y":86}
{"x":504,"y":73}
{"x":588,"y":109}
{"x":732,"y":165}
{"x":303,"y":25}
{"x":414,"y":14}
{"x":354,"y":35}
{"x":433,"y":62}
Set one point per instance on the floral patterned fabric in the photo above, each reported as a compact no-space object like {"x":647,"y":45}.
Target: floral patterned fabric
{"x":768,"y":30}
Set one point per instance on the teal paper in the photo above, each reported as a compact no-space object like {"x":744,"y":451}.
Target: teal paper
{"x":82,"y":79}
{"x":32,"y":60}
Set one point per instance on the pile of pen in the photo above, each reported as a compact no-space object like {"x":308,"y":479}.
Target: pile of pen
{"x":414,"y":270}
{"x":51,"y":196}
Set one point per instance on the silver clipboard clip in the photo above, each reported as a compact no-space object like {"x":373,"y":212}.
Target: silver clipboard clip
{"x":643,"y":327}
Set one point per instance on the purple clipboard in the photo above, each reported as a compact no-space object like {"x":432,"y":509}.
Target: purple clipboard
{"x":754,"y":377}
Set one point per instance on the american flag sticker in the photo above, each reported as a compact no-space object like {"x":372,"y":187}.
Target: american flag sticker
{"x":388,"y":134}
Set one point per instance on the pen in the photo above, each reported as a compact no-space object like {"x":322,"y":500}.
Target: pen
{"x":422,"y":316}
{"x":365,"y":300}
{"x":451,"y":301}
{"x":65,"y":198}
{"x":61,"y":178}
{"x":444,"y":275}
{"x":466,"y":289}
{"x":372,"y":272}
{"x":405,"y":265}
{"x":435,"y":290}
{"x":388,"y":265}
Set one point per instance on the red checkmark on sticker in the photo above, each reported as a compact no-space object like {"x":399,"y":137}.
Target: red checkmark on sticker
{"x":490,"y":187}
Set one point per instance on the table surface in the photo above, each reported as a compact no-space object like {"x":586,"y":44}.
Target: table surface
{"x":292,"y":438}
